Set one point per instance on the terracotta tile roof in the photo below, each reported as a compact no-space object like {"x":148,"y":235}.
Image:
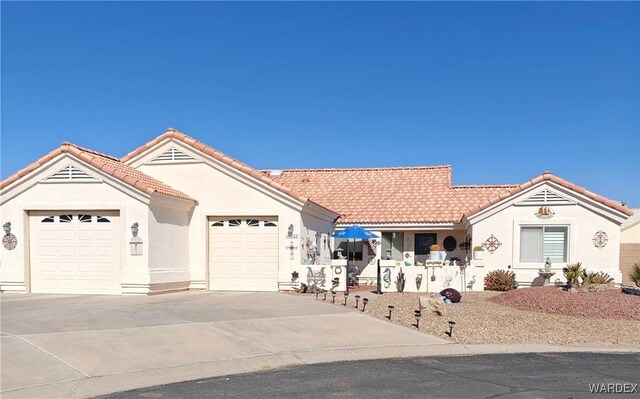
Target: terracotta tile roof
{"x":389,"y":195}
{"x":547,"y":176}
{"x":107,"y":164}
{"x":224,"y":158}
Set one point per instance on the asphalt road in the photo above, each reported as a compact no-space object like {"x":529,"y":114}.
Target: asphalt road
{"x":538,"y":375}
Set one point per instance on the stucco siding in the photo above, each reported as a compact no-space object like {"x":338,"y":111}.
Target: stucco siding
{"x":582,"y":225}
{"x":168,"y":246}
{"x":70,"y":196}
{"x":630,"y":235}
{"x":223,"y":192}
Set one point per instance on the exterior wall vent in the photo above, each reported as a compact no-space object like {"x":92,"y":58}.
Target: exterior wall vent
{"x":70,"y":173}
{"x":173,"y":155}
{"x":275,"y":172}
{"x":546,"y":197}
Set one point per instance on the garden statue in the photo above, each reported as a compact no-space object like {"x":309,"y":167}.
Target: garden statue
{"x":547,"y":265}
{"x":546,"y":273}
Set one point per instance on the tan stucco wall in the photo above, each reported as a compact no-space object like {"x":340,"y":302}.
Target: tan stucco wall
{"x":169,"y":245}
{"x":583,"y":223}
{"x":224,"y":191}
{"x":630,"y":235}
{"x":14,"y":272}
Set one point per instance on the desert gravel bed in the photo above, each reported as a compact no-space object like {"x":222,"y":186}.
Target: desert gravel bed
{"x":481,"y":320}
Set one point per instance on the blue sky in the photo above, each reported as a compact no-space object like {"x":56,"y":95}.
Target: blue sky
{"x":499,"y":90}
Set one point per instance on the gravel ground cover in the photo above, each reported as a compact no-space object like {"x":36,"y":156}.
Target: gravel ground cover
{"x":533,"y":316}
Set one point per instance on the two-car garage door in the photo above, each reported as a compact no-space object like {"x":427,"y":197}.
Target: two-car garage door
{"x":243,"y":254}
{"x":75,"y":252}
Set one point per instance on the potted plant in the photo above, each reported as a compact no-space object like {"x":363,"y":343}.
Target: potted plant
{"x":435,"y":252}
{"x":478,"y":252}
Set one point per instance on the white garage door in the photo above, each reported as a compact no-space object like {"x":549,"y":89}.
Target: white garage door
{"x":243,"y":254}
{"x":75,"y":252}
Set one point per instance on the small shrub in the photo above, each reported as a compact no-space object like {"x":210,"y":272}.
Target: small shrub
{"x":635,"y":273}
{"x":596,"y":278}
{"x":499,"y":280}
{"x":573,"y":273}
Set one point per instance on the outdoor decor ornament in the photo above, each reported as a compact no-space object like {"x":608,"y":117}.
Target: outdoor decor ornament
{"x":386,"y":276}
{"x":600,"y":239}
{"x":544,"y":212}
{"x":491,"y":244}
{"x":9,"y":241}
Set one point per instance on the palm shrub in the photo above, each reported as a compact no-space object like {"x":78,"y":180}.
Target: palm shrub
{"x":499,"y":280}
{"x":593,"y":278}
{"x":573,"y":273}
{"x":635,"y":273}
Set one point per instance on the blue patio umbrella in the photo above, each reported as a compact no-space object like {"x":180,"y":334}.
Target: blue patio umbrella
{"x":355,"y":232}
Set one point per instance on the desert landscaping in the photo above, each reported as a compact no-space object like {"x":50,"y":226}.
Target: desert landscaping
{"x":539,"y":315}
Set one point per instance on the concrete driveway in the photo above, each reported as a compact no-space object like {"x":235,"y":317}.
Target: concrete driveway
{"x":63,"y":346}
{"x":82,"y":346}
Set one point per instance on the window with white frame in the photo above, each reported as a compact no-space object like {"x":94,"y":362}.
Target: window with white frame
{"x":537,"y":243}
{"x":392,"y":246}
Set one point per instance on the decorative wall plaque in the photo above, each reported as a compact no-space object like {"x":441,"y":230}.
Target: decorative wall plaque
{"x":544,"y":212}
{"x":9,"y":241}
{"x":491,"y":244}
{"x":600,"y":239}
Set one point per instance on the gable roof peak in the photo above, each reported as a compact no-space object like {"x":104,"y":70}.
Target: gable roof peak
{"x":200,"y":147}
{"x":547,"y":176}
{"x":107,"y":164}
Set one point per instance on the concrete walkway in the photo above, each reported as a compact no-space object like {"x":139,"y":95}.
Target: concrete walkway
{"x":82,"y":346}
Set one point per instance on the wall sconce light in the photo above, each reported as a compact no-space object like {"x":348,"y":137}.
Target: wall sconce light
{"x":134,"y":229}
{"x":390,"y":307}
{"x":290,"y":231}
{"x":7,"y":228}
{"x":365,"y":301}
{"x":135,"y":243}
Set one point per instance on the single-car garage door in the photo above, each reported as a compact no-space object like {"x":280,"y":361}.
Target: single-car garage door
{"x":243,"y":254}
{"x":75,"y":252}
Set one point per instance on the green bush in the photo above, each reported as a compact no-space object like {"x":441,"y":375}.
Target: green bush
{"x":597,"y":278}
{"x":635,"y":273}
{"x":499,"y":280}
{"x":573,"y":273}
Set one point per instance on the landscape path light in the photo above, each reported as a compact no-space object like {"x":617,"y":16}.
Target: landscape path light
{"x":451,"y":324}
{"x":333,"y":293}
{"x":418,"y":315}
{"x":365,"y":301}
{"x":390,"y":307}
{"x":357,"y":300}
{"x":346,"y":295}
